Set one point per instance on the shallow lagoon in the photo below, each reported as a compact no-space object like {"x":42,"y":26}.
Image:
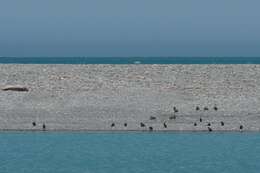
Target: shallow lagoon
{"x":77,"y":152}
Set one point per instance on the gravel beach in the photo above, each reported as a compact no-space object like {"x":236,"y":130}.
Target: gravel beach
{"x":121,"y":97}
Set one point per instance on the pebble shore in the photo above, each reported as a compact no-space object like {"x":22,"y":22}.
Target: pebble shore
{"x":121,"y":97}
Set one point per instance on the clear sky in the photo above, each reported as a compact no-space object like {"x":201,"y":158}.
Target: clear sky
{"x":129,"y":28}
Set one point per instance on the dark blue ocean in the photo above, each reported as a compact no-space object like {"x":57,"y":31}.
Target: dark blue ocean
{"x":131,"y":60}
{"x":60,"y":152}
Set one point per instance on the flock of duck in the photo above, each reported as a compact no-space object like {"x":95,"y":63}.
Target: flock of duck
{"x":174,"y":116}
{"x":43,"y":125}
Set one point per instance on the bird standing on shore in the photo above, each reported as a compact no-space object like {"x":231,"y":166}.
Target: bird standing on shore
{"x":151,"y":128}
{"x":113,"y":125}
{"x":197,"y":108}
{"x":175,"y":109}
{"x":165,"y":125}
{"x":241,"y":127}
{"x":142,"y":124}
{"x":200,"y":119}
{"x":222,"y":123}
{"x":173,"y":117}
{"x":209,"y":129}
{"x":43,"y":126}
{"x":152,"y":118}
{"x":34,"y":123}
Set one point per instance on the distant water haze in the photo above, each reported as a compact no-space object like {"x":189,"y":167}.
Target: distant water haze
{"x":129,"y":28}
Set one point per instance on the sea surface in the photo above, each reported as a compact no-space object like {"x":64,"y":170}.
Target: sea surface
{"x":130,"y":60}
{"x":80,"y":152}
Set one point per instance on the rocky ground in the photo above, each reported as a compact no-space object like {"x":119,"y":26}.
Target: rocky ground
{"x":120,"y":97}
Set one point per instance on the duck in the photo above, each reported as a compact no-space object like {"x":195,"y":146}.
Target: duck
{"x":44,"y":126}
{"x":173,"y":117}
{"x":152,"y":118}
{"x":165,"y":125}
{"x":175,"y":109}
{"x":142,"y":124}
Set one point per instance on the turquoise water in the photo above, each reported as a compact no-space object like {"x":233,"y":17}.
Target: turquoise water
{"x":131,"y":60}
{"x":129,"y":152}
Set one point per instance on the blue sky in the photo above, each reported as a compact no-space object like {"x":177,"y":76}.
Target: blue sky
{"x":129,"y":28}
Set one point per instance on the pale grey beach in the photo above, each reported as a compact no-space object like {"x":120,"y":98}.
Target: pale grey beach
{"x":130,"y":97}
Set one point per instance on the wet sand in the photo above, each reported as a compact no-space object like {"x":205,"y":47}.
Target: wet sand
{"x":93,"y":97}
